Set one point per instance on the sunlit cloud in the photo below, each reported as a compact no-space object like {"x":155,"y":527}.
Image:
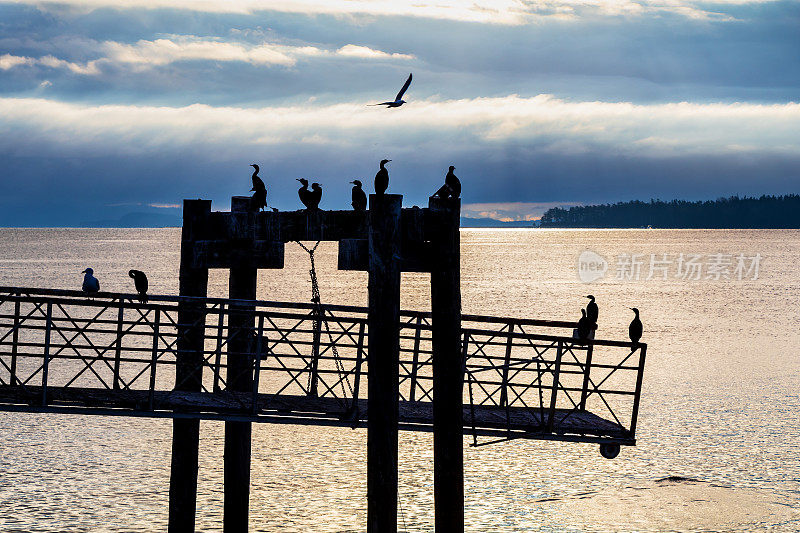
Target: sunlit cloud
{"x":511,"y":211}
{"x":550,"y":124}
{"x":159,"y":52}
{"x":508,"y":12}
{"x":7,"y":61}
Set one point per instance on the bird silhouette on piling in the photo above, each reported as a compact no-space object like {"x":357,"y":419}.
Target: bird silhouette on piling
{"x":90,"y":283}
{"x":310,"y":198}
{"x":382,"y":178}
{"x":591,"y":309}
{"x":259,"y":198}
{"x":451,"y":187}
{"x":315,"y":196}
{"x":359,"y":197}
{"x":398,"y":100}
{"x":635,"y":328}
{"x":584,"y":326}
{"x":141,"y":284}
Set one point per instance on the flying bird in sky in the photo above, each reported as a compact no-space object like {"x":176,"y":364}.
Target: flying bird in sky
{"x":398,"y":100}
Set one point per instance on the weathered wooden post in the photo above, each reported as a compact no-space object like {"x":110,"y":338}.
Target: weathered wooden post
{"x":383,"y":361}
{"x":241,"y":286}
{"x":188,"y":370}
{"x":448,"y":378}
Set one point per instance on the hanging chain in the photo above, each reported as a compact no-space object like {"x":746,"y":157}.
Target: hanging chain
{"x":319,"y":312}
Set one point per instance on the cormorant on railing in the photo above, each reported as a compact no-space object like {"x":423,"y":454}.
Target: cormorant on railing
{"x":141,"y":284}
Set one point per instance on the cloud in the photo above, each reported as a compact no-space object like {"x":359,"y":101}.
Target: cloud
{"x":160,"y":52}
{"x":352,"y":50}
{"x":505,"y":12}
{"x":549,"y":124}
{"x":511,"y":211}
{"x":7,"y":61}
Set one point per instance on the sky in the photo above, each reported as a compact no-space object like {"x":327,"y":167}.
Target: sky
{"x":109,"y":107}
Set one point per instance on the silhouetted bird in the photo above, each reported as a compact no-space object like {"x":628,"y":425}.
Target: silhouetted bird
{"x":310,"y":199}
{"x":140,"y":282}
{"x":635,"y":329}
{"x":451,"y":187}
{"x":382,"y":178}
{"x":90,"y":283}
{"x":584,"y":326}
{"x":259,"y":199}
{"x":358,"y":196}
{"x":591,"y":310}
{"x":398,"y":100}
{"x":315,"y":196}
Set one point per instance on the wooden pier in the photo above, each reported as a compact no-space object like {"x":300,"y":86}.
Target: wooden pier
{"x":243,"y":360}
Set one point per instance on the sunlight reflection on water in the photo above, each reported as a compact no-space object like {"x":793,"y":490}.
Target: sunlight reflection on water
{"x":720,"y":403}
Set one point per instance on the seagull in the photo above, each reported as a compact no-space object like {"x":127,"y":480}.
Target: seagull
{"x":259,"y":199}
{"x":382,"y":178}
{"x":451,"y":187}
{"x":591,"y":309}
{"x":359,"y":197}
{"x":635,"y":329}
{"x":398,"y":100}
{"x":90,"y":283}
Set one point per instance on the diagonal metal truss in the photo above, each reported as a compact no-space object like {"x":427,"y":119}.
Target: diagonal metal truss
{"x":522,"y":378}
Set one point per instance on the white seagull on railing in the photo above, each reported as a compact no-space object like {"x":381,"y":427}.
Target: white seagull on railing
{"x":398,"y":100}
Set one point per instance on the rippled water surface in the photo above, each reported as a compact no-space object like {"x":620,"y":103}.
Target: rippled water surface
{"x":719,"y":408}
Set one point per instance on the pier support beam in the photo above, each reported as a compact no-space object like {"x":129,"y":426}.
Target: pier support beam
{"x":448,"y":378}
{"x":383,"y":362}
{"x":242,"y":286}
{"x":188,"y":372}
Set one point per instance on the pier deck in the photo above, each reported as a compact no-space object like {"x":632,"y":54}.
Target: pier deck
{"x":114,"y":356}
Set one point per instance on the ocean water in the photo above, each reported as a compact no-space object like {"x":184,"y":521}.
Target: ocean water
{"x":719,"y":432}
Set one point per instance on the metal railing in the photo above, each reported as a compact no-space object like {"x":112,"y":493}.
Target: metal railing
{"x":523,"y":378}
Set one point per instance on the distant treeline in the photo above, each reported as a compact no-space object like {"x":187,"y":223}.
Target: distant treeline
{"x":733,"y":212}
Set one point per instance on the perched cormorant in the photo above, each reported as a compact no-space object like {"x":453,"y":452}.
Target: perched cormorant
{"x":140,"y":282}
{"x":591,"y":309}
{"x":451,"y":187}
{"x":259,"y":199}
{"x":584,"y":326}
{"x":315,"y":196}
{"x":382,"y":178}
{"x":306,"y":196}
{"x":358,"y":196}
{"x":635,"y":329}
{"x":398,"y":100}
{"x":90,"y":283}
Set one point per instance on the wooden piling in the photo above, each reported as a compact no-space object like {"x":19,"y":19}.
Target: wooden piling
{"x":188,"y":371}
{"x":241,"y":286}
{"x":448,"y":381}
{"x":383,"y":361}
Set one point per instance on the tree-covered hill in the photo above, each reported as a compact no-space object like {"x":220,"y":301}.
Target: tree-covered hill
{"x":732,"y":212}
